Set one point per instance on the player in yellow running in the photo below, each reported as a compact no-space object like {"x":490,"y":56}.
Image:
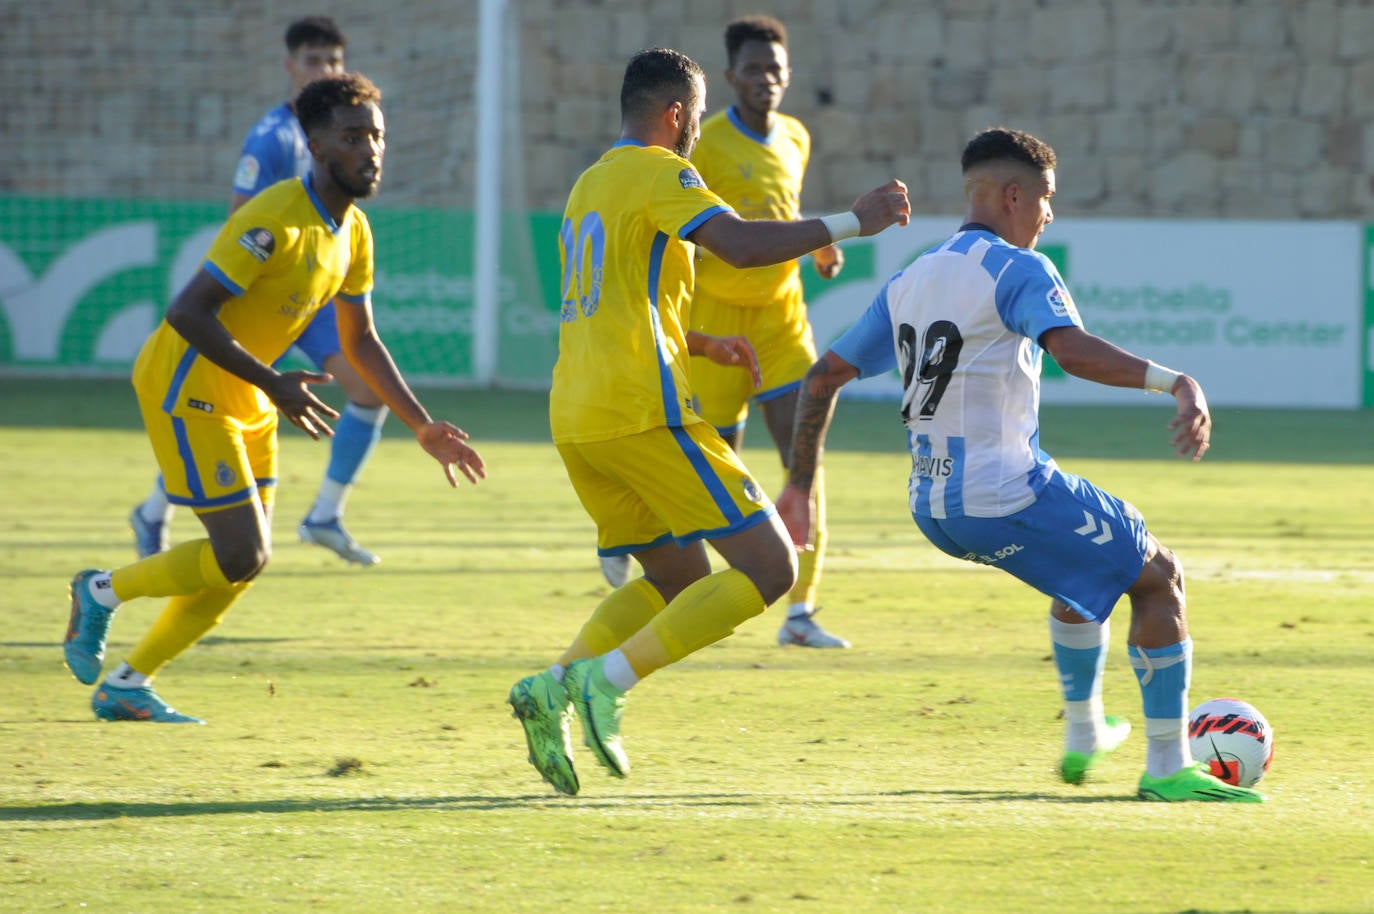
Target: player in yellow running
{"x":755,"y":157}
{"x":210,"y":396}
{"x":656,"y":479}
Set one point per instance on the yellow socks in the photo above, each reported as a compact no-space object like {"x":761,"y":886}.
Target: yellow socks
{"x":702,"y":614}
{"x":185,"y":621}
{"x":186,"y":568}
{"x":809,"y":563}
{"x":625,"y":611}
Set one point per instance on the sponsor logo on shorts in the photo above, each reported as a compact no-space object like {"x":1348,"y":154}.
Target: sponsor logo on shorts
{"x":1005,"y":552}
{"x":224,"y":475}
{"x":689,"y":178}
{"x":258,"y":242}
{"x":752,"y":491}
{"x":201,"y":405}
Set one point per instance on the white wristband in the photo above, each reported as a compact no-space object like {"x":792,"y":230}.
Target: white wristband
{"x":1159,"y":378}
{"x":841,"y":225}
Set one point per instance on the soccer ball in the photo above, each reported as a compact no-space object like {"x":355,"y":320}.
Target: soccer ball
{"x":1233,"y":738}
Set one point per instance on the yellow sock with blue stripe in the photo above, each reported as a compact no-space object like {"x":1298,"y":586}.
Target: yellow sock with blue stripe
{"x":704,"y":613}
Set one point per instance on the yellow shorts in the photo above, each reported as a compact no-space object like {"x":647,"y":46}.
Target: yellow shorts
{"x":678,"y":484}
{"x":211,"y":463}
{"x":781,"y":337}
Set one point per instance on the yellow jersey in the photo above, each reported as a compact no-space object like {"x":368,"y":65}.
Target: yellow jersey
{"x":761,"y":177}
{"x":284,"y":257}
{"x":627,"y":284}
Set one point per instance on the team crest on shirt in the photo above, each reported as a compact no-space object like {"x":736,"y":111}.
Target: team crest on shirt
{"x":752,"y":491}
{"x":224,"y":475}
{"x":1060,"y":302}
{"x":689,"y":178}
{"x":258,"y":242}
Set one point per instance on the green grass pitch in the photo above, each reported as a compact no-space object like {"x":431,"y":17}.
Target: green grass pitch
{"x":360,"y":757}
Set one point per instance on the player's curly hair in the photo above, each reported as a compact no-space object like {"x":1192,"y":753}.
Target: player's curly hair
{"x":654,"y":79}
{"x":752,"y":28}
{"x":998,"y":144}
{"x":316,"y":31}
{"x":317,"y":101}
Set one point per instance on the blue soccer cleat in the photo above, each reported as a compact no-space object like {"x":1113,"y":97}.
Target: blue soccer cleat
{"x":84,"y":644}
{"x":111,"y":703}
{"x":150,"y":537}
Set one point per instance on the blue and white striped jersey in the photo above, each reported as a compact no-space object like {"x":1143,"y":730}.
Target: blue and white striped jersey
{"x":962,"y":324}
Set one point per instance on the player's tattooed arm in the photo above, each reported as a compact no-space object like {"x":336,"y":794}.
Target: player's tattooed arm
{"x":815,"y":408}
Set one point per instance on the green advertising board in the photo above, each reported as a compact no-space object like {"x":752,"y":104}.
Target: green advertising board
{"x":83,"y":282}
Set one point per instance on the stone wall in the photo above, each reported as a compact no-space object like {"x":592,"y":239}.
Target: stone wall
{"x":1158,"y":108}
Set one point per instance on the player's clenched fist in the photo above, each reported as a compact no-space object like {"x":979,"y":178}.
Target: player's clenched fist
{"x":883,"y":206}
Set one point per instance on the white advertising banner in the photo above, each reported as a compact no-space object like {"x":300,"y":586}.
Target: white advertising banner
{"x":1263,"y":314}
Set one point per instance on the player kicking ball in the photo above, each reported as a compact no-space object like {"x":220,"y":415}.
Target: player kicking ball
{"x":965,"y":325}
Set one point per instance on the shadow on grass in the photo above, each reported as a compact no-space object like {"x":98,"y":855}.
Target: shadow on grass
{"x":61,"y":812}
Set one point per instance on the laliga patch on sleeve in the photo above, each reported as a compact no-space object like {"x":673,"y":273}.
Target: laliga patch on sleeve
{"x":258,"y":242}
{"x":246,"y":176}
{"x":688,"y":178}
{"x":1060,"y":302}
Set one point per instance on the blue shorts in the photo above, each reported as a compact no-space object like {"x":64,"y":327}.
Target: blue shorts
{"x":320,"y":339}
{"x":1076,"y":543}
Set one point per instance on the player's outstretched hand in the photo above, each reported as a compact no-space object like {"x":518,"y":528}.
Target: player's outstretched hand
{"x":290,"y":394}
{"x":829,"y":261}
{"x":881,"y":207}
{"x":447,"y":443}
{"x":1192,"y":426}
{"x":795,"y":508}
{"x":733,"y":351}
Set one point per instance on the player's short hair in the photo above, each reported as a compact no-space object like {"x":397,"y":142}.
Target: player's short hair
{"x":1001,"y":144}
{"x":317,"y":101}
{"x":752,"y":28}
{"x":316,"y":31}
{"x":656,"y":78}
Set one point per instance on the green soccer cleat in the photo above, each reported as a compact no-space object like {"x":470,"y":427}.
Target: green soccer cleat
{"x":89,"y":624}
{"x":1194,"y":783}
{"x":110,"y":703}
{"x":599,"y":705}
{"x":542,"y":707}
{"x":1075,"y":766}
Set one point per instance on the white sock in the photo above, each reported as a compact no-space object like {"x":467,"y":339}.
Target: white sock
{"x":1084,"y":724}
{"x":126,"y":677}
{"x":797,"y":610}
{"x":618,"y":671}
{"x":156,"y":507}
{"x":557,"y":671}
{"x":102,"y":591}
{"x":1166,"y":746}
{"x":329,"y":502}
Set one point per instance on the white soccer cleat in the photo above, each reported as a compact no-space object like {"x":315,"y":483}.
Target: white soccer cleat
{"x":332,"y":536}
{"x":803,"y":631}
